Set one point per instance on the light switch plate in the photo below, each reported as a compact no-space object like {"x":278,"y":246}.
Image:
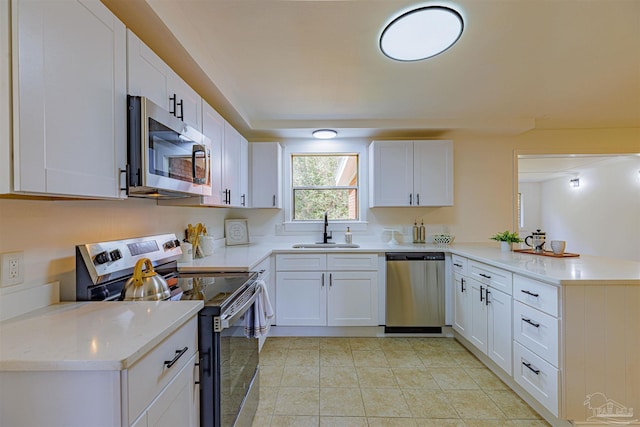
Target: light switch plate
{"x":11,"y":268}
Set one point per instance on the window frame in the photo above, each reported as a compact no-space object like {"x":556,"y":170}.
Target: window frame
{"x":310,"y":147}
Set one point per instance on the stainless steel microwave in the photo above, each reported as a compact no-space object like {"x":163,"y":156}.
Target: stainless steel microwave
{"x":166,"y":157}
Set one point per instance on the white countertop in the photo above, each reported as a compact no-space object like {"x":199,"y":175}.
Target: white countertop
{"x":86,"y":336}
{"x":583,"y":270}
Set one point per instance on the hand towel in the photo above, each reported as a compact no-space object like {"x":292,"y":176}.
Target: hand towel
{"x":257,"y":324}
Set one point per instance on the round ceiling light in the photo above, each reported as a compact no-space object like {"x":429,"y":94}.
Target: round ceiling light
{"x":421,"y":33}
{"x":324,"y":134}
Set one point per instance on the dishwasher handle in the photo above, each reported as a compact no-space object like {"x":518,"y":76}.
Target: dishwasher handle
{"x":415,"y":256}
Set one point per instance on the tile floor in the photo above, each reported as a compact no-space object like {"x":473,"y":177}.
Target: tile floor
{"x":307,"y":381}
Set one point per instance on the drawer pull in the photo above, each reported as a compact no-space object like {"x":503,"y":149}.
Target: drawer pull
{"x":486,"y":276}
{"x":457,"y":265}
{"x":537,"y":325}
{"x":528,"y":365}
{"x":179,"y":354}
{"x":529,"y":293}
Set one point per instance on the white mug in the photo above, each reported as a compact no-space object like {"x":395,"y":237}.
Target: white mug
{"x":557,"y":246}
{"x":207,"y":245}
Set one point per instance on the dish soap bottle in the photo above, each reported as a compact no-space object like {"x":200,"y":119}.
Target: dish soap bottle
{"x":348,"y":238}
{"x":416,"y":232}
{"x":423,"y":232}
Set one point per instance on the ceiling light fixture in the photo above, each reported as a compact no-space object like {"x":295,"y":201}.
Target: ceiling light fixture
{"x":575,"y":182}
{"x":324,"y":134}
{"x":421,"y":33}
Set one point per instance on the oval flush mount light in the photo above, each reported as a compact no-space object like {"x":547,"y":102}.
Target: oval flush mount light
{"x":324,"y":134}
{"x":421,"y":33}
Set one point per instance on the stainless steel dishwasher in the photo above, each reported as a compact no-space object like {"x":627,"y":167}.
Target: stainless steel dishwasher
{"x":415,"y":292}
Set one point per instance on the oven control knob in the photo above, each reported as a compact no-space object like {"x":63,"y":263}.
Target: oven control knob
{"x":169,"y":245}
{"x":115,"y":254}
{"x":102,"y":257}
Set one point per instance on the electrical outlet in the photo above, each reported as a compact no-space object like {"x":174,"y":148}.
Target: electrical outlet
{"x":11,"y":268}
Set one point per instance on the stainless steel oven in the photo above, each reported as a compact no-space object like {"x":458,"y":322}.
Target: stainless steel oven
{"x":229,"y":381}
{"x":228,"y":350}
{"x":166,"y":157}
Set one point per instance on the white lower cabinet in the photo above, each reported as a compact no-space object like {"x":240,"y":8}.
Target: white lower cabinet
{"x":499,"y":339}
{"x":461,"y":305}
{"x":309,"y":292}
{"x":538,"y":377}
{"x":301,"y":298}
{"x":478,"y":330}
{"x":176,"y":404}
{"x":483,"y":309}
{"x":148,"y":393}
{"x":536,"y":337}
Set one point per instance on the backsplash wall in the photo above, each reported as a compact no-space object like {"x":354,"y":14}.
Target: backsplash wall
{"x":48,"y":231}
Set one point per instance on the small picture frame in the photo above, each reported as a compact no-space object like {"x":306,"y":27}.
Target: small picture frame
{"x":236,"y":232}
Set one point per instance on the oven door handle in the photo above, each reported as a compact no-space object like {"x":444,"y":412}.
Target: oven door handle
{"x":226,"y":321}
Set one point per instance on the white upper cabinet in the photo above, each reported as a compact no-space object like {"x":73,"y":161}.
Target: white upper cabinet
{"x":411,"y":173}
{"x":5,"y":101}
{"x":235,"y":167}
{"x":69,"y":98}
{"x":266,"y":175}
{"x":213,"y":128}
{"x":151,"y":77}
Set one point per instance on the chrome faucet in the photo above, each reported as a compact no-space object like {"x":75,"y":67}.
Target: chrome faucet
{"x":326,"y":236}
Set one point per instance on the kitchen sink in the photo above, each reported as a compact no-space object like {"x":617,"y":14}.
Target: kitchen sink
{"x":326,"y":245}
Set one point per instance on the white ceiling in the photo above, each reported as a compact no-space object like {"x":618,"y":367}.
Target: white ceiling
{"x":288,"y":67}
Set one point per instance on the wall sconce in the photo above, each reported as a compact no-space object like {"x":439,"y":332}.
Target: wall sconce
{"x":575,"y":182}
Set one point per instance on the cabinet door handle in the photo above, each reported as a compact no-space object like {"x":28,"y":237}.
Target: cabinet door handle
{"x":524,"y":291}
{"x":330,"y":279}
{"x":486,"y":296}
{"x":124,"y":171}
{"x":323,"y":280}
{"x":417,"y":199}
{"x":243,"y":197}
{"x":181,"y":105}
{"x":172,"y":108}
{"x":274,"y":200}
{"x":529,"y":321}
{"x":528,"y":365}
{"x":486,"y":276}
{"x":462,"y":288}
{"x":178,"y":355}
{"x":410,"y":199}
{"x":481,"y":289}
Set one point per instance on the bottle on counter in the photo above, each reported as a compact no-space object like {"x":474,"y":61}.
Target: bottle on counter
{"x":422,"y":232}
{"x":416,"y":232}
{"x":348,"y":237}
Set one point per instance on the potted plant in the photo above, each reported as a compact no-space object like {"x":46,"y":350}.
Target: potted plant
{"x":506,"y":239}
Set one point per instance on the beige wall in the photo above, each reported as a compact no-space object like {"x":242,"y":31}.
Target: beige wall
{"x":47,"y":231}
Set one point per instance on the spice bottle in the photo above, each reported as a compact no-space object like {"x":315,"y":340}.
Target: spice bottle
{"x":416,"y":232}
{"x":423,"y":232}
